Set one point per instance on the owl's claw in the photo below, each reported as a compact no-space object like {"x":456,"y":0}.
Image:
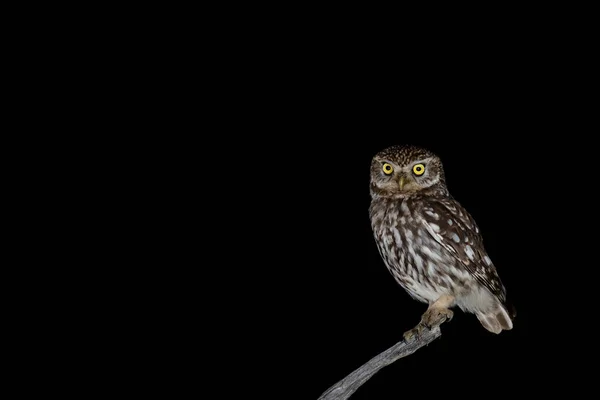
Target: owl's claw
{"x":413,"y":334}
{"x":435,"y":316}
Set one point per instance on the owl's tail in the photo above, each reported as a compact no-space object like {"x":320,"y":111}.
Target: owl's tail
{"x":497,"y":319}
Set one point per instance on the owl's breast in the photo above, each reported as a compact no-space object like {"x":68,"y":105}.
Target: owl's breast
{"x":416,"y":260}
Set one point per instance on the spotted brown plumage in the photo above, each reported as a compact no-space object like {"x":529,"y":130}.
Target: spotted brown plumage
{"x":428,"y":241}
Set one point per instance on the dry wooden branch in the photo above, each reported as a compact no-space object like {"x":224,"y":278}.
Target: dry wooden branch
{"x":347,"y":386}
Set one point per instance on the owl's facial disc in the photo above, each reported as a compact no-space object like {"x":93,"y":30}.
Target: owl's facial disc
{"x":400,"y":179}
{"x":402,"y":171}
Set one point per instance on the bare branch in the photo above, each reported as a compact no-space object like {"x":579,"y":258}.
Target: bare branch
{"x":347,"y":386}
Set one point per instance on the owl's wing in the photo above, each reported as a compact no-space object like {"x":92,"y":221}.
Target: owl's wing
{"x":455,"y":229}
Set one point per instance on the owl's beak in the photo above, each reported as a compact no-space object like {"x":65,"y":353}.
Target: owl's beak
{"x":402,"y":182}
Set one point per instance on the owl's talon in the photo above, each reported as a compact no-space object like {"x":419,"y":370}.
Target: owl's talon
{"x":435,"y":316}
{"x":413,"y":334}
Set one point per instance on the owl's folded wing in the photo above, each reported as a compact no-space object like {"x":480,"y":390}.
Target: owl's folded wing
{"x":454,"y":228}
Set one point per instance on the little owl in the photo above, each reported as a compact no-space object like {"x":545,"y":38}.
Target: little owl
{"x":430,"y":243}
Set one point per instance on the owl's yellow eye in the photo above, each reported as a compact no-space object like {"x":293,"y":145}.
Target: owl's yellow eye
{"x":418,"y":169}
{"x":387,"y":169}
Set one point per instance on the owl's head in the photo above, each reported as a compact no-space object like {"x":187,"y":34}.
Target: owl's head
{"x":402,"y":171}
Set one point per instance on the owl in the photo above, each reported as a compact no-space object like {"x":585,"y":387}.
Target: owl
{"x":430,"y":243}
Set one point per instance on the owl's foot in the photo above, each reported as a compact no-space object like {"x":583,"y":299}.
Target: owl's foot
{"x":435,"y":316}
{"x":413,"y":334}
{"x":437,"y":313}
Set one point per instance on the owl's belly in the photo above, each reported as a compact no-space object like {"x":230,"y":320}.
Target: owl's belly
{"x":424,"y":268}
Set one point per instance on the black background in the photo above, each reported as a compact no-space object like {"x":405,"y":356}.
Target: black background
{"x":264,"y":142}
{"x":312,"y":297}
{"x":333,"y":304}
